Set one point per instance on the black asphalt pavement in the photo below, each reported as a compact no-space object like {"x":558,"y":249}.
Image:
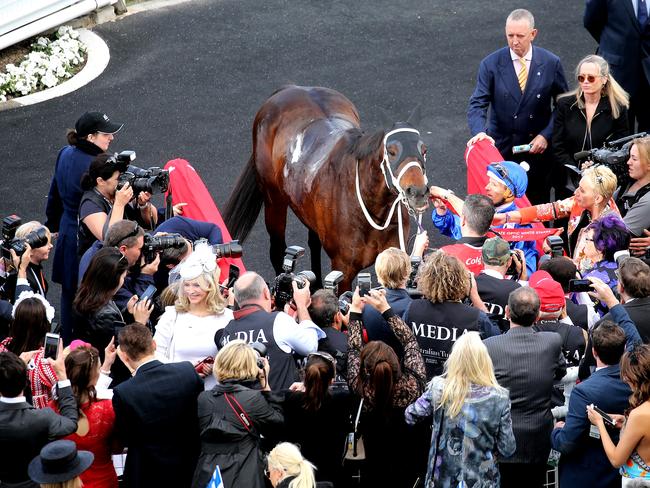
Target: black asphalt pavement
{"x":187,"y":80}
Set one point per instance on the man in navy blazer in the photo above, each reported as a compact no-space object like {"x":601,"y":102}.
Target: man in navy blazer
{"x":518,"y":116}
{"x":156,"y":414}
{"x":583,"y":462}
{"x":622,"y":31}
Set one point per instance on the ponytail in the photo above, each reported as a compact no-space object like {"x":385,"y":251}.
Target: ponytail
{"x":318,"y":375}
{"x":380,"y":371}
{"x":305,"y":477}
{"x":72,"y":137}
{"x":381,"y":382}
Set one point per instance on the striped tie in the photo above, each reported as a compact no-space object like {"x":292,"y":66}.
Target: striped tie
{"x":523,"y":74}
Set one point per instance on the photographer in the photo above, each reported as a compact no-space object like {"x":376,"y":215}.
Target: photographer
{"x":128,"y":237}
{"x":325,"y":313}
{"x":92,"y":135}
{"x":102,"y":204}
{"x":492,"y":285}
{"x":254,"y":322}
{"x":634,"y":200}
{"x":20,"y":264}
{"x":38,"y":237}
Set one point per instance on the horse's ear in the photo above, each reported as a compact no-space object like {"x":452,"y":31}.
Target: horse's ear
{"x":385,"y":119}
{"x":367,"y":146}
{"x":416,"y":116}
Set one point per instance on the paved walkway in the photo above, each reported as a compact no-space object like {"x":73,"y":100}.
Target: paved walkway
{"x":187,"y":80}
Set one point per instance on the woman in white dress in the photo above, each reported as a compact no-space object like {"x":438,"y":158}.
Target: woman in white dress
{"x":185,"y":332}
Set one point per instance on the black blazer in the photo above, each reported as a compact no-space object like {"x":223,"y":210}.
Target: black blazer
{"x":24,"y":430}
{"x":570,"y":128}
{"x":622,"y":41}
{"x":527,"y":363}
{"x":156,"y":419}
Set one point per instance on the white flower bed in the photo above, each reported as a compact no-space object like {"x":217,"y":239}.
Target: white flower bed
{"x":49,"y":63}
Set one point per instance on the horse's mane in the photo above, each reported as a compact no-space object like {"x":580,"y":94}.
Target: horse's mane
{"x":362,"y":145}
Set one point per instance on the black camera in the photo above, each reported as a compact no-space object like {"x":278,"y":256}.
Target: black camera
{"x":557,"y":246}
{"x":155,"y":244}
{"x":412,"y":282}
{"x":230,"y":249}
{"x":152,"y":180}
{"x":613,"y":154}
{"x":282,"y":287}
{"x":35,"y":239}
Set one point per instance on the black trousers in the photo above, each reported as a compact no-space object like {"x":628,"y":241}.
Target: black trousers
{"x":516,"y":475}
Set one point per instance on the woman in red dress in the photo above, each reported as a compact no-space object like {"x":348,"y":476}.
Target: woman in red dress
{"x":96,"y":417}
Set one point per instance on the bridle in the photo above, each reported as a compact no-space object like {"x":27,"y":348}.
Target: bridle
{"x":394,"y":186}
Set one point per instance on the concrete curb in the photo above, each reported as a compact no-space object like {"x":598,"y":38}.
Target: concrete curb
{"x":98,"y":58}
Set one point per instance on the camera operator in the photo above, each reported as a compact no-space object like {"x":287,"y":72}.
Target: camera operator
{"x":393,"y":267}
{"x":475,"y":221}
{"x":20,"y":265}
{"x":128,"y":237}
{"x":254,"y":322}
{"x":492,"y":285}
{"x":36,"y":233}
{"x":325,"y":313}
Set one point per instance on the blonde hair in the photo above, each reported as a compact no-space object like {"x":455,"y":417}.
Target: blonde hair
{"x":209,"y":282}
{"x":617,"y":96}
{"x":31,"y":226}
{"x":643,"y":146}
{"x":469,"y":363}
{"x":235,"y":361}
{"x":443,"y":278}
{"x":602,"y":179}
{"x":169,"y":295}
{"x":286,"y":457}
{"x":73,"y":483}
{"x":392,"y":267}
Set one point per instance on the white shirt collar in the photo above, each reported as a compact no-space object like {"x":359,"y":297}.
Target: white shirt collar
{"x":18,"y":399}
{"x":528,"y":56}
{"x":629,"y":300}
{"x":493,"y":273}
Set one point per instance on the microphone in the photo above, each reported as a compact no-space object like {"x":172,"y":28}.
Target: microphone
{"x":581,"y":155}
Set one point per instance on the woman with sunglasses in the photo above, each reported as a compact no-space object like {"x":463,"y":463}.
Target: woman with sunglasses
{"x":92,"y":135}
{"x":326,"y":410}
{"x":591,"y":200}
{"x":185,"y":332}
{"x":97,"y":318}
{"x":594,"y":112}
{"x":632,"y":453}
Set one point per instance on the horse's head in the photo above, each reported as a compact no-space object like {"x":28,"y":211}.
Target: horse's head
{"x":404,"y":165}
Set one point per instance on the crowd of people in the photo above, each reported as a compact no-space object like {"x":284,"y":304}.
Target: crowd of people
{"x":489,"y":364}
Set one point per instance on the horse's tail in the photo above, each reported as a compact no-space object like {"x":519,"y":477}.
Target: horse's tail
{"x":244,"y":203}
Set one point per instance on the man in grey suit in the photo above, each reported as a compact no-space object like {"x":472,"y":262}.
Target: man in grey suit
{"x":24,"y":430}
{"x":527,"y":363}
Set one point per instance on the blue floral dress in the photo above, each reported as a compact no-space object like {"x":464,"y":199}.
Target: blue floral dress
{"x":463,"y":449}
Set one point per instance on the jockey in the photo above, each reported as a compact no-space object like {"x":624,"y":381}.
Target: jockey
{"x":507,"y":181}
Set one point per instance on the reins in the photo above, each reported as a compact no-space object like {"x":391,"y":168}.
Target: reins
{"x":393,"y":185}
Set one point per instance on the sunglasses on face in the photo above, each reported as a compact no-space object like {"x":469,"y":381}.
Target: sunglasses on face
{"x":589,"y":78}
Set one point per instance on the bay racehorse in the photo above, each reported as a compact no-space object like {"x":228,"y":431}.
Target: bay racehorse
{"x":310,"y":154}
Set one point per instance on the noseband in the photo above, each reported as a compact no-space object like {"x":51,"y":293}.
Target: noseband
{"x":394,"y":186}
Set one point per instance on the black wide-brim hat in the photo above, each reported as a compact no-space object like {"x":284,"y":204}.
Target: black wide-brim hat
{"x":59,"y":461}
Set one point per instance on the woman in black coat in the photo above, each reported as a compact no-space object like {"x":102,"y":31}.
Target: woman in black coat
{"x":325,"y":409}
{"x":593,"y":113}
{"x":97,"y":318}
{"x":233,"y":415}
